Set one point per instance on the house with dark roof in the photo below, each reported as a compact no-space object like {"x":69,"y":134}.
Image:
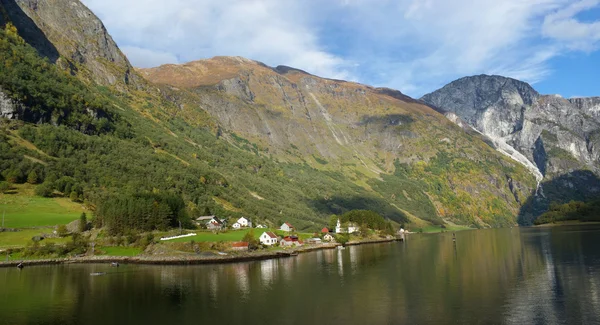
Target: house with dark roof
{"x":268,"y":238}
{"x":215,"y":224}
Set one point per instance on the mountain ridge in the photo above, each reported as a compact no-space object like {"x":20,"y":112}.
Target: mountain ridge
{"x":309,"y":146}
{"x":559,"y":136}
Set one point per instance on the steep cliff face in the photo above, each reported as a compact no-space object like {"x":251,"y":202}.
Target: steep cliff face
{"x":69,"y":34}
{"x":365,"y":131}
{"x":558,"y":136}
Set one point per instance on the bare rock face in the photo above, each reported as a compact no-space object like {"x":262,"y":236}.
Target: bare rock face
{"x":559,"y":136}
{"x":69,"y":34}
{"x":544,"y":128}
{"x":9,"y":108}
{"x":494,"y":105}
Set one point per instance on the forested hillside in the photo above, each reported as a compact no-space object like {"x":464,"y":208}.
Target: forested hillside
{"x":115,"y":166}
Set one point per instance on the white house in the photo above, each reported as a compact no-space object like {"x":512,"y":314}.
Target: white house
{"x":352,"y":228}
{"x":243,"y":222}
{"x":268,"y":238}
{"x":261,"y":226}
{"x":328,"y":237}
{"x":287,"y":227}
{"x":236,"y":225}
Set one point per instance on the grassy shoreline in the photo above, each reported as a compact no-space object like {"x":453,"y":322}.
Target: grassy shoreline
{"x":189,"y":259}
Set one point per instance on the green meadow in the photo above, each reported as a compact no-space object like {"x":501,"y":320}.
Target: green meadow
{"x":121,"y":251}
{"x":232,"y":235}
{"x":23,"y":210}
{"x":14,"y":239}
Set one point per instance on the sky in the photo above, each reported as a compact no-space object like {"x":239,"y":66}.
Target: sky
{"x":415,"y":46}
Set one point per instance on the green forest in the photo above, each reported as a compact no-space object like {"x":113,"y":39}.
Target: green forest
{"x":574,"y":210}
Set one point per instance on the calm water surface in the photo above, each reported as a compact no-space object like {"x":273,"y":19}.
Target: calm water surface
{"x":517,"y":276}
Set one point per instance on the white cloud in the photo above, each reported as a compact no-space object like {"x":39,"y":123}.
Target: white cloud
{"x":270,"y":31}
{"x":411,"y":45}
{"x":563,"y":26}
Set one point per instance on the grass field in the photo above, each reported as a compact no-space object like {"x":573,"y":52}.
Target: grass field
{"x":232,"y":235}
{"x":121,"y":251}
{"x":23,"y":209}
{"x":21,"y":238}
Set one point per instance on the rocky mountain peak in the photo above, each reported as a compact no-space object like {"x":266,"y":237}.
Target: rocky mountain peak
{"x":554,"y":137}
{"x":469,"y":96}
{"x":69,"y":34}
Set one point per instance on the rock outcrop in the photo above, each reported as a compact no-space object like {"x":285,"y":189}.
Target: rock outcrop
{"x":558,"y":136}
{"x":9,"y":108}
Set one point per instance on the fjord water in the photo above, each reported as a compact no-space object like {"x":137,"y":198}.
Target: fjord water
{"x":520,"y":276}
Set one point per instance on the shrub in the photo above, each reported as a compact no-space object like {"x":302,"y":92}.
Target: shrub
{"x":14,"y":176}
{"x":32,"y":178}
{"x":44,"y":190}
{"x":4,"y":187}
{"x":62,"y":230}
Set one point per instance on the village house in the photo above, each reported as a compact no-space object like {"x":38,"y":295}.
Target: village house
{"x":325,"y":230}
{"x":215,"y":224}
{"x":289,"y":241}
{"x":239,"y":246}
{"x":268,"y":238}
{"x":352,"y":228}
{"x":328,"y":237}
{"x":287,"y":227}
{"x":314,"y":241}
{"x":261,"y":226}
{"x":203,"y":220}
{"x":243,"y":222}
{"x":236,"y":225}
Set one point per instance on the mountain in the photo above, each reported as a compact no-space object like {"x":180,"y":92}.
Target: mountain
{"x":69,"y":34}
{"x":230,"y":136}
{"x":559,"y":137}
{"x":369,"y":134}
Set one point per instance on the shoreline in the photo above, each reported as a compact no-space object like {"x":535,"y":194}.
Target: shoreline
{"x":188,"y":259}
{"x":567,"y":223}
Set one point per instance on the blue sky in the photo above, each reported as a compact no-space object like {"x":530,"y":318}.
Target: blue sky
{"x":415,"y":46}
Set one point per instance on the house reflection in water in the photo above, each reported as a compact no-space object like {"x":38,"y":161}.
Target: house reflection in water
{"x":241,"y":272}
{"x":340,"y":262}
{"x":268,"y":271}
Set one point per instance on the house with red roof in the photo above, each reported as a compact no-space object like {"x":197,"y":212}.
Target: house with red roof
{"x":325,"y":230}
{"x":287,"y":227}
{"x":268,"y":238}
{"x":239,"y":246}
{"x":289,"y":241}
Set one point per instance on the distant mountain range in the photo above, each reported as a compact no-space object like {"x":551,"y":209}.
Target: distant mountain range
{"x":240,"y":138}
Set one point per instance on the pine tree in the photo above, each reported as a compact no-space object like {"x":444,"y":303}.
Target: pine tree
{"x":82,"y":222}
{"x":32,"y":178}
